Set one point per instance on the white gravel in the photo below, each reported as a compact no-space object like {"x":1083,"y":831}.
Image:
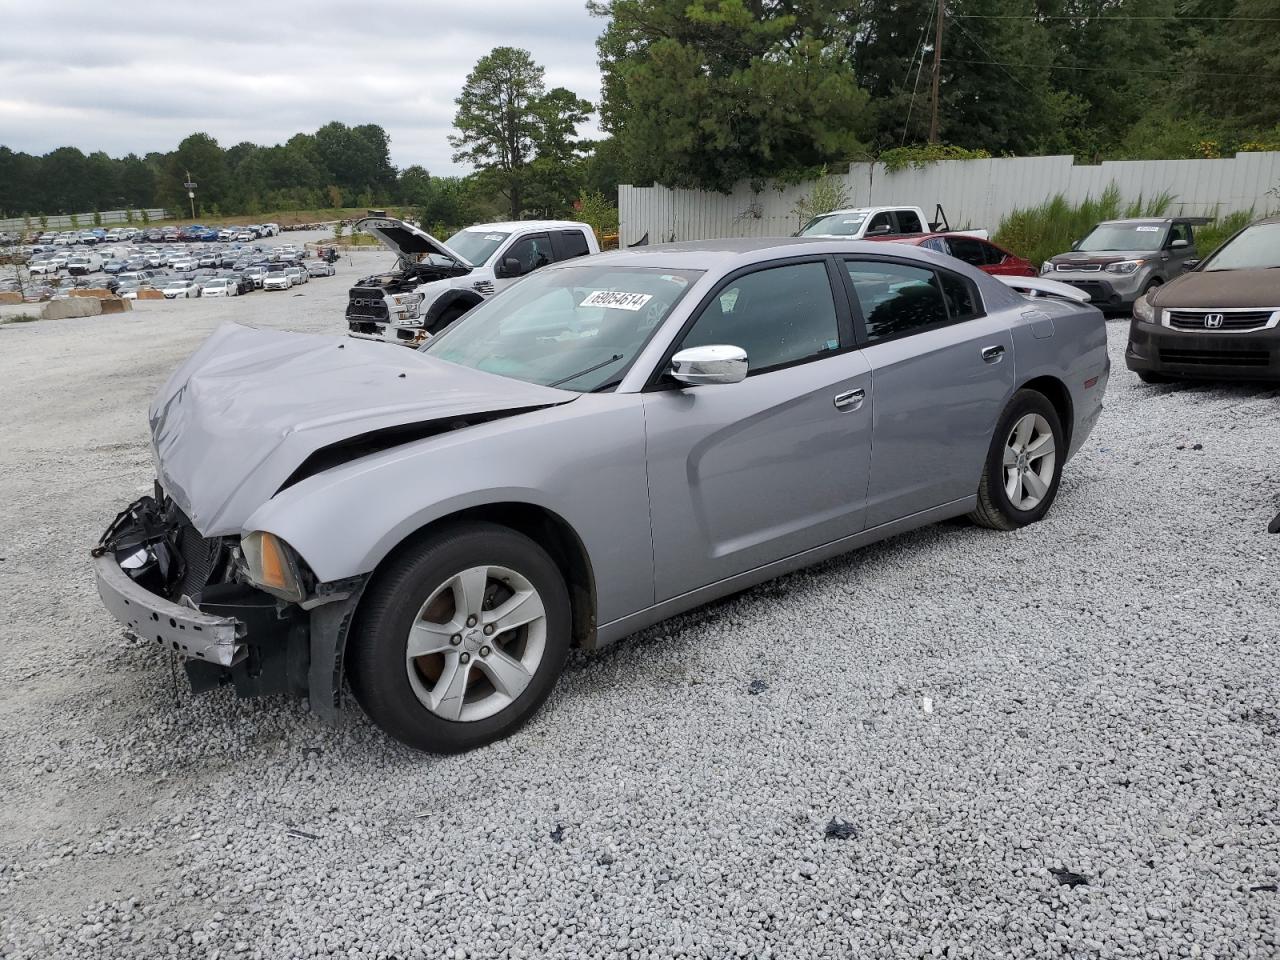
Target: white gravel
{"x":915,"y":751}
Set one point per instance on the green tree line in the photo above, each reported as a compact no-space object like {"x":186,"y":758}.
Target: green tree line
{"x":703,"y":93}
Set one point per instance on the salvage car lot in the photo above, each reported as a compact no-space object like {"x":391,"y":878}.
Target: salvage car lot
{"x":1094,"y":695}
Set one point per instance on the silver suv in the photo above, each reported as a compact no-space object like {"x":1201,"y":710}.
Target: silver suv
{"x":1120,"y":260}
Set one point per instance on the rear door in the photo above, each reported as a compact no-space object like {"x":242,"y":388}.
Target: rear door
{"x":744,"y":474}
{"x":943,"y":370}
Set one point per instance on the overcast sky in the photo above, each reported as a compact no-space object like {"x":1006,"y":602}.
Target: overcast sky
{"x":139,"y":75}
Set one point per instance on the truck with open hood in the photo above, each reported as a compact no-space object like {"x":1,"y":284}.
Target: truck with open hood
{"x":432,"y":283}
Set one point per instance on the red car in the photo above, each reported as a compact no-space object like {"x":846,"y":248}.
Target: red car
{"x":983,"y":254}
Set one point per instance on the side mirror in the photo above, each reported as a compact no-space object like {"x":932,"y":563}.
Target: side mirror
{"x":716,"y":363}
{"x":1178,"y":244}
{"x":509,"y":267}
{"x":878,"y":231}
{"x":1075,"y":244}
{"x":1191,"y":264}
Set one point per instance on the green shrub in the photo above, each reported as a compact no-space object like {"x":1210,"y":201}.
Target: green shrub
{"x":829,"y":193}
{"x":1040,"y":232}
{"x":921,"y":155}
{"x":595,"y":209}
{"x":1210,"y":237}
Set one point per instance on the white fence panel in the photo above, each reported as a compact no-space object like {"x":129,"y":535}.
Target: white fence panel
{"x":84,"y":221}
{"x":974,"y":193}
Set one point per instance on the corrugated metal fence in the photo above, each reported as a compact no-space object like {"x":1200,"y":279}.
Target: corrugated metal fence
{"x":974,"y":193}
{"x":84,"y":221}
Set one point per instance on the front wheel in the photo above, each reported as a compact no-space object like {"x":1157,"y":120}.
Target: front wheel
{"x":1023,"y":466}
{"x":461,"y":638}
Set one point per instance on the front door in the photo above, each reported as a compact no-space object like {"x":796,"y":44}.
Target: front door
{"x":943,"y":372}
{"x":747,"y":473}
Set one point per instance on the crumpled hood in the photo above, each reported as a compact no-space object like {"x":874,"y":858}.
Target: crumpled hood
{"x":1221,"y":288}
{"x":235,"y":421}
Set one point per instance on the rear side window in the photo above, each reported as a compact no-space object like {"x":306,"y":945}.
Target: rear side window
{"x":779,"y":316}
{"x":995,"y":256}
{"x":898,"y":299}
{"x":908,"y":222}
{"x":570,"y":244}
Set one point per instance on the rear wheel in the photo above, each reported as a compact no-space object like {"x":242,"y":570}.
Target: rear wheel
{"x":1020,"y":478}
{"x":461,"y":638}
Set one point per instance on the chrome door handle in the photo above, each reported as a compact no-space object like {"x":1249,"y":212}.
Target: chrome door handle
{"x":851,"y":400}
{"x":993,"y":354}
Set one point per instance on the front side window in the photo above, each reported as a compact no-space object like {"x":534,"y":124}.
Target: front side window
{"x":1180,"y":231}
{"x":881,"y":222}
{"x":575,"y":327}
{"x":779,"y":316}
{"x":532,"y":252}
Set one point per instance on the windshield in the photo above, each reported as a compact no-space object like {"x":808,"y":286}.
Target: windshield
{"x":1124,"y":236}
{"x":475,"y":246}
{"x":834,"y":225}
{"x":577,"y":327}
{"x":1254,"y":248}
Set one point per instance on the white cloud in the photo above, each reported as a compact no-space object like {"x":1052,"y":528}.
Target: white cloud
{"x":139,"y":75}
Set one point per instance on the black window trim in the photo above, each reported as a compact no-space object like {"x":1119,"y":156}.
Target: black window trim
{"x":860,"y":323}
{"x":845,"y":326}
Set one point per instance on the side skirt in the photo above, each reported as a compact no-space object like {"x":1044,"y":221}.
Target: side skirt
{"x":625,"y":626}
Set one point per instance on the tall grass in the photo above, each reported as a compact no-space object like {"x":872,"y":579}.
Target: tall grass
{"x":1038,"y":233}
{"x":1210,"y":237}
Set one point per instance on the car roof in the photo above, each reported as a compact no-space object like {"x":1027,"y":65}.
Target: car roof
{"x":1141,"y":220}
{"x":511,"y":225}
{"x":729,"y":252}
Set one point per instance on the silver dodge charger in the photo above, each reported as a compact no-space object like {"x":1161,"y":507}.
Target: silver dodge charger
{"x":603,"y":445}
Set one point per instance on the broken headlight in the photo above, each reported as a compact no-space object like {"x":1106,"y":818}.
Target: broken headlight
{"x":269,"y":563}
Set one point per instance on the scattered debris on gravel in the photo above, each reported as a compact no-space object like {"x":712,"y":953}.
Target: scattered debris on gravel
{"x":1100,"y":685}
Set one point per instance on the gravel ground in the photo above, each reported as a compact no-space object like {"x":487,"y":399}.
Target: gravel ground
{"x":1063,"y":741}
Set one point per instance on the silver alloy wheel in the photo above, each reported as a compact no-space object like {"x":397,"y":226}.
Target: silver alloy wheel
{"x":476,"y":643}
{"x":1029,"y":461}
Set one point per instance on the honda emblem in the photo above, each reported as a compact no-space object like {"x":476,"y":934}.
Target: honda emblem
{"x":1212,"y":321}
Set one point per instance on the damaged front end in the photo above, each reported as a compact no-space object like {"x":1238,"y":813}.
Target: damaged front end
{"x":192,"y":596}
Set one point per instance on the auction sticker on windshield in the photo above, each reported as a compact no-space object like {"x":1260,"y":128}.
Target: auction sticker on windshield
{"x":616,"y":300}
{"x":1147,"y":229}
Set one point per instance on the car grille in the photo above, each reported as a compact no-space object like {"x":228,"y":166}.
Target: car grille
{"x":1079,"y":267}
{"x":1216,"y":358}
{"x":366,"y":304}
{"x":1234,"y":321}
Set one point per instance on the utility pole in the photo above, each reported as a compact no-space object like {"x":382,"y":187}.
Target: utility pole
{"x":191,"y":190}
{"x":937,"y":72}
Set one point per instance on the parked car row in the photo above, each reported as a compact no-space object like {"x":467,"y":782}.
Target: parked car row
{"x":188,"y":234}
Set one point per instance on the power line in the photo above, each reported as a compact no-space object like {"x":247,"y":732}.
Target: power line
{"x":1125,"y":70}
{"x":919,"y":70}
{"x":1119,"y":17}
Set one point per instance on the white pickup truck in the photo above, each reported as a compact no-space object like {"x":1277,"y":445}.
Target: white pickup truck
{"x":434,"y":283}
{"x":859,"y":223}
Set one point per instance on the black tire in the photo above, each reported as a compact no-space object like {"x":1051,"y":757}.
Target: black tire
{"x":1150,"y":376}
{"x":376,"y":660}
{"x":995,"y":510}
{"x":449,"y":315}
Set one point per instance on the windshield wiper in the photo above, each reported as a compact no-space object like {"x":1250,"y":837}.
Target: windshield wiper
{"x":582,"y":373}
